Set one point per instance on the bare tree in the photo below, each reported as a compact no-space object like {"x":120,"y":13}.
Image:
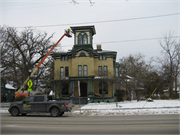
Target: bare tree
{"x":22,"y":50}
{"x":134,"y":67}
{"x":171,"y":61}
{"x":137,"y":73}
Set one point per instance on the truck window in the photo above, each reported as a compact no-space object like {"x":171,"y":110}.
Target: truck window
{"x":39,"y":99}
{"x":29,"y":99}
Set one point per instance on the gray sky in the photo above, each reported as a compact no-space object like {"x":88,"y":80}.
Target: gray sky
{"x":49,"y":13}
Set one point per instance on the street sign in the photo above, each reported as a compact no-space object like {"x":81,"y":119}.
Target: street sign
{"x":30,"y":85}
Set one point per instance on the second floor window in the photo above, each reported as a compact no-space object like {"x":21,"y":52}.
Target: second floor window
{"x":79,"y":70}
{"x":105,"y":71}
{"x":62,"y":72}
{"x":117,"y":72}
{"x":100,"y":70}
{"x":64,"y":58}
{"x":85,"y":70}
{"x":102,"y":57}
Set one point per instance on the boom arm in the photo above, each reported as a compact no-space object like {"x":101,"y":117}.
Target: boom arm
{"x":25,"y":82}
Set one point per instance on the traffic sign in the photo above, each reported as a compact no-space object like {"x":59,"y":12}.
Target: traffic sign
{"x":30,"y":85}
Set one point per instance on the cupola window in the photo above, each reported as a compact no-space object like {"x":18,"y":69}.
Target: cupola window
{"x":82,"y":38}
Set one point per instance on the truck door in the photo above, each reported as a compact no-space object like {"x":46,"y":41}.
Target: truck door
{"x":40,"y":105}
{"x":28,"y":105}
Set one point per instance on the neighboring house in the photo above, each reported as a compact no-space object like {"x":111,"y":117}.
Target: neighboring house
{"x":96,"y":69}
{"x":135,"y":92}
{"x":7,"y":92}
{"x":166,"y":92}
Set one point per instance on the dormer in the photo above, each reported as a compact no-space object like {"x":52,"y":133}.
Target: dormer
{"x":83,"y":36}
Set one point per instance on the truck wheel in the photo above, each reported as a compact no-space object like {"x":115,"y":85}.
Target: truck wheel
{"x":14,"y":111}
{"x":61,"y":113}
{"x":54,"y":112}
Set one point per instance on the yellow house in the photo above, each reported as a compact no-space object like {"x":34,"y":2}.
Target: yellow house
{"x":96,"y":70}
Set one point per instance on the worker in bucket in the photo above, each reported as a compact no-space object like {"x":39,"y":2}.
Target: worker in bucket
{"x":69,"y":30}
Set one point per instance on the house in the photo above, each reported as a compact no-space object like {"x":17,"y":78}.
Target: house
{"x":95,"y":69}
{"x":7,"y":92}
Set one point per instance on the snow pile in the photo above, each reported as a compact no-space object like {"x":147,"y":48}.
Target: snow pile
{"x":132,"y":108}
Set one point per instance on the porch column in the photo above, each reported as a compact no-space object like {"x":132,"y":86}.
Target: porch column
{"x":90,"y":97}
{"x":60,"y":90}
{"x":71,"y":88}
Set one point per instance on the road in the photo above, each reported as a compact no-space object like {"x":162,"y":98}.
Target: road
{"x":44,"y":124}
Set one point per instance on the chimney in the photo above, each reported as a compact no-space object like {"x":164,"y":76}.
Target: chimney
{"x":99,"y":47}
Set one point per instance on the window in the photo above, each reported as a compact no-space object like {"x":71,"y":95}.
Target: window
{"x":82,"y":54}
{"x":62,"y":72}
{"x":79,"y":70}
{"x":105,"y":71}
{"x":100,"y":70}
{"x":85,"y":70}
{"x":29,"y":99}
{"x":64,"y":58}
{"x":102,"y":57}
{"x":117,"y":72}
{"x":66,"y":71}
{"x":85,"y":39}
{"x":82,"y":38}
{"x":39,"y":99}
{"x":103,"y":86}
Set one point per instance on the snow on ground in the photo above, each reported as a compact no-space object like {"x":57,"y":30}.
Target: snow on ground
{"x":132,"y":108}
{"x":126,"y":108}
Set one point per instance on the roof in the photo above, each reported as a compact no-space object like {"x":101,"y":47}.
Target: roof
{"x":84,"y":27}
{"x":106,"y":51}
{"x":8,"y":86}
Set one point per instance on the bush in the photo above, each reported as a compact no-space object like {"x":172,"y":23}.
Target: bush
{"x":155,"y":97}
{"x":164,"y":97}
{"x":120,"y":95}
{"x":128,"y":98}
{"x":20,"y":98}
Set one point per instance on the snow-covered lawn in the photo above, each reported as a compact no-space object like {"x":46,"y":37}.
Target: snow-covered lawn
{"x":132,"y":108}
{"x":126,"y":108}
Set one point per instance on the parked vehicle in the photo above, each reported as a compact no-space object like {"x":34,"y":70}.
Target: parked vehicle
{"x":40,"y":103}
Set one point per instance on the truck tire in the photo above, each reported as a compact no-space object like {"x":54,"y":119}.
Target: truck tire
{"x":54,"y":112}
{"x":14,"y":111}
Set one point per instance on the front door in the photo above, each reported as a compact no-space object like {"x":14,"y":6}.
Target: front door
{"x":83,"y":89}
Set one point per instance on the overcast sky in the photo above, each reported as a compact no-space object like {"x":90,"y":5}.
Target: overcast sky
{"x":114,"y":20}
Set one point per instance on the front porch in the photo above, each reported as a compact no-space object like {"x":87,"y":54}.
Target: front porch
{"x":90,"y":90}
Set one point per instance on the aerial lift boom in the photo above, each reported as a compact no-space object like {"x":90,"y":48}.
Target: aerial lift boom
{"x":35,"y":69}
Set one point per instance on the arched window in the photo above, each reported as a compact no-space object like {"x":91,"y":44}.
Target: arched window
{"x":82,"y":54}
{"x":103,"y":86}
{"x":85,"y":38}
{"x":82,"y":38}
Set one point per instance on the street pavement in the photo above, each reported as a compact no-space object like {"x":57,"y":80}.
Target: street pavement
{"x":45,"y":124}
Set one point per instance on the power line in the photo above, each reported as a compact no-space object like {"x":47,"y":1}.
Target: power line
{"x":134,"y":40}
{"x":130,"y":40}
{"x":128,"y":19}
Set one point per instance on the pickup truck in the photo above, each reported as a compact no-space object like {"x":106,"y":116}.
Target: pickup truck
{"x":40,"y":103}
